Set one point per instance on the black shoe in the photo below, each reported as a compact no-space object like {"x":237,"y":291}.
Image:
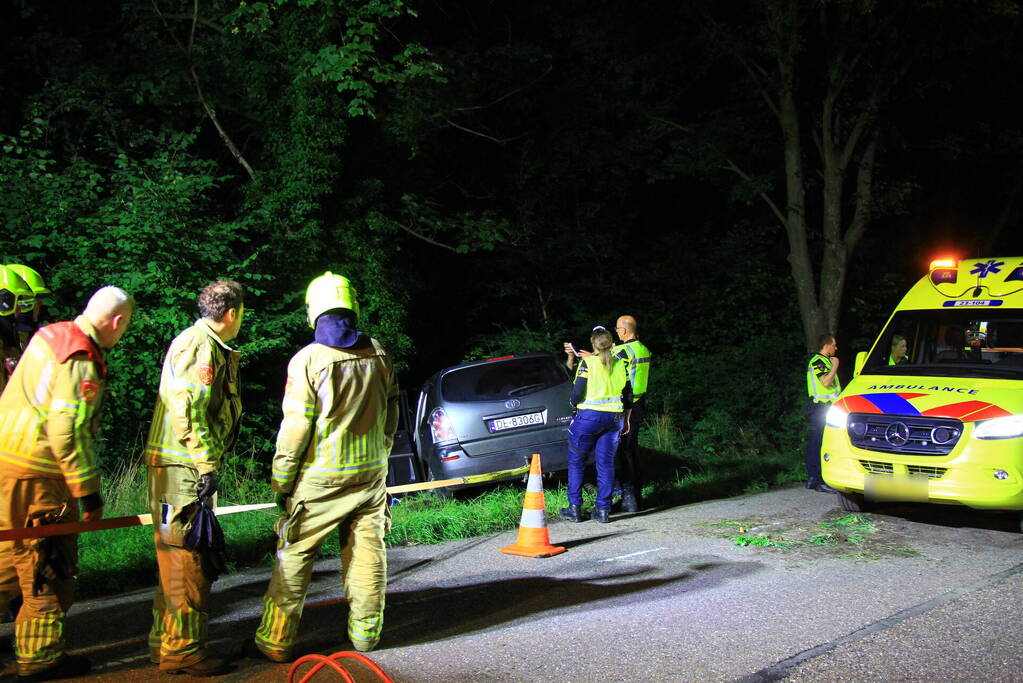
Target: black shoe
{"x":573,"y":513}
{"x":211,"y":666}
{"x":629,"y":502}
{"x":824,"y":488}
{"x":67,"y":666}
{"x":600,"y":515}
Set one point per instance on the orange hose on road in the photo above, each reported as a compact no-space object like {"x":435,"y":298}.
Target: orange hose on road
{"x":332,"y":662}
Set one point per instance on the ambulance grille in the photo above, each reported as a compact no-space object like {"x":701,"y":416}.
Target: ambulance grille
{"x":904,"y":434}
{"x":877,"y":467}
{"x":929,"y":472}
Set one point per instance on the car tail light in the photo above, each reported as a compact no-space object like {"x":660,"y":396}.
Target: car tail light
{"x":441,"y":428}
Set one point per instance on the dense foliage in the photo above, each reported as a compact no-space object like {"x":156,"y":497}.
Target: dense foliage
{"x":493,"y":177}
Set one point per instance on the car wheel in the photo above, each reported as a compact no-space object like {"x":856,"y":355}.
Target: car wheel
{"x":1021,"y":521}
{"x":852,"y":502}
{"x":445,"y":493}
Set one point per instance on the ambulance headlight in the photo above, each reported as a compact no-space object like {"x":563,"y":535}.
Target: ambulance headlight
{"x":1000,"y":428}
{"x":836,"y":417}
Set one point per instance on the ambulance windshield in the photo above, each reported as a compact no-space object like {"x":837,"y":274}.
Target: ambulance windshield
{"x":951,"y":342}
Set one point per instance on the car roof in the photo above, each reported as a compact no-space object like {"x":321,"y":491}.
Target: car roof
{"x":496,"y":359}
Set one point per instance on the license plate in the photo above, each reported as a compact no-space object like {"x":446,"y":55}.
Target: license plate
{"x":502,"y":423}
{"x":896,"y":488}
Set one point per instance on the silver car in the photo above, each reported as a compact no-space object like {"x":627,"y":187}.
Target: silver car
{"x":492,"y":415}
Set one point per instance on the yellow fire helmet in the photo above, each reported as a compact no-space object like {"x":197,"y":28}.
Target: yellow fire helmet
{"x":327,"y":292}
{"x":12,"y":290}
{"x":35,"y":282}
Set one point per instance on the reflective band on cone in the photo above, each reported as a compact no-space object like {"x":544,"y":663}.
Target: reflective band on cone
{"x":533,"y":540}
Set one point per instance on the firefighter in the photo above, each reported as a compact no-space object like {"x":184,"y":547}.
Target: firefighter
{"x":638,"y":356}
{"x":13,"y":289}
{"x":48,"y":416}
{"x":340,"y":414}
{"x":602,"y":396}
{"x":823,"y":387}
{"x":195,"y":423}
{"x":29,"y":307}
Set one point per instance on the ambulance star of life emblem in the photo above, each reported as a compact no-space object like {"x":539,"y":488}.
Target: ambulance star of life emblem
{"x":897,"y":434}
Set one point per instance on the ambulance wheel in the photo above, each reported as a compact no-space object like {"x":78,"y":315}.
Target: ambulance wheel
{"x":852,"y":502}
{"x":445,"y":493}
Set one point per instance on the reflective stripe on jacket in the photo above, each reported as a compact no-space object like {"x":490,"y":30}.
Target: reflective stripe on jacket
{"x":199,"y":405}
{"x":340,"y":414}
{"x":603,"y":389}
{"x":819,"y":366}
{"x":49,"y":410}
{"x":639,"y":357}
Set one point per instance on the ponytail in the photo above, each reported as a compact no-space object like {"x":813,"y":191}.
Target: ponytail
{"x":602,"y":342}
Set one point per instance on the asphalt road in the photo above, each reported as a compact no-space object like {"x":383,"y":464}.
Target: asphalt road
{"x":913,"y":593}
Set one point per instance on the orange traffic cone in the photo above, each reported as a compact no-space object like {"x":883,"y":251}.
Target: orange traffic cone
{"x":533,"y":540}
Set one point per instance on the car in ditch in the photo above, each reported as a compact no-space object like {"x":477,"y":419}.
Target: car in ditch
{"x":492,"y":415}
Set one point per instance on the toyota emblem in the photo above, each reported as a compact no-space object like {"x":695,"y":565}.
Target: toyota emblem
{"x":897,"y":434}
{"x":512,"y":404}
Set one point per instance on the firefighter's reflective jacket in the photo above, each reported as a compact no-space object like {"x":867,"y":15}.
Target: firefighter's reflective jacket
{"x":339,"y":417}
{"x":199,"y":406}
{"x":49,"y":411}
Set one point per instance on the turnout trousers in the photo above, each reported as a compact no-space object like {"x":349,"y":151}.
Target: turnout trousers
{"x":39,"y":628}
{"x":181,"y":614}
{"x":597,"y":431}
{"x":362,"y":518}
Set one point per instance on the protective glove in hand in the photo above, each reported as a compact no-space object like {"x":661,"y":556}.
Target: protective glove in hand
{"x":207,"y":485}
{"x":282,"y":501}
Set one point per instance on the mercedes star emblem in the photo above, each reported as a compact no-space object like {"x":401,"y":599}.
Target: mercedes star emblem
{"x":897,"y":434}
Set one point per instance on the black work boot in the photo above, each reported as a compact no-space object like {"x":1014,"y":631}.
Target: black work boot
{"x":600,"y":515}
{"x":67,"y":666}
{"x":573,"y":513}
{"x":629,"y":502}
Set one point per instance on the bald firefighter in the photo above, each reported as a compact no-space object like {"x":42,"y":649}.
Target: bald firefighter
{"x":195,"y":423}
{"x":340,"y":413}
{"x":49,"y":413}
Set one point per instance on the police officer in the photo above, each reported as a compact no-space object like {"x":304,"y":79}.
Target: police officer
{"x":627,"y":465}
{"x":195,"y":423}
{"x":340,"y":414}
{"x":49,"y":413}
{"x":823,"y":387}
{"x":602,"y":396}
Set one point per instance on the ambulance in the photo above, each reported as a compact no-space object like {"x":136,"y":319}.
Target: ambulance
{"x":934,"y":412}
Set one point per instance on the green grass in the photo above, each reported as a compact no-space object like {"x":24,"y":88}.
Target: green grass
{"x":679,"y":473}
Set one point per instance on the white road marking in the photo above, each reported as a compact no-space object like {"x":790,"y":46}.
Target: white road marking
{"x":641,"y":552}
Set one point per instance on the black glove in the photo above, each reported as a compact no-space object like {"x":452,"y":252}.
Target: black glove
{"x":91,"y":502}
{"x":207,"y":485}
{"x":282,"y":501}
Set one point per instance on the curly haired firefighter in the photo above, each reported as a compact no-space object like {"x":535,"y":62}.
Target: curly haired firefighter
{"x":48,"y":415}
{"x":340,"y":413}
{"x":195,"y":422}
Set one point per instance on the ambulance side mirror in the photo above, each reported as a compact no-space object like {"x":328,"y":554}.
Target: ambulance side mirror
{"x":861,"y":360}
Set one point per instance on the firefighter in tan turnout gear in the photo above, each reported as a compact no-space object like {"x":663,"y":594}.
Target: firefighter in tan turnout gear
{"x":340,"y":413}
{"x":49,"y":413}
{"x":195,"y":423}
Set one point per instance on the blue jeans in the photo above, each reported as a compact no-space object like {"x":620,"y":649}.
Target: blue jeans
{"x":594,"y":431}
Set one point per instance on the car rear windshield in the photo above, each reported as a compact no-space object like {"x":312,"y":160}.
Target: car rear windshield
{"x":511,"y":378}
{"x":952,"y":342}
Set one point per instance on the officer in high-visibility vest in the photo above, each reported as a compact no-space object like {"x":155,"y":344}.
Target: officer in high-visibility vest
{"x":899,"y":346}
{"x":602,"y":395}
{"x":13,"y":290}
{"x":823,"y":387}
{"x":195,"y":423}
{"x":627,"y":465}
{"x":29,"y":307}
{"x":340,"y":414}
{"x":49,"y":413}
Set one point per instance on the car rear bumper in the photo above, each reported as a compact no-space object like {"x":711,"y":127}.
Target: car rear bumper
{"x":553,"y":458}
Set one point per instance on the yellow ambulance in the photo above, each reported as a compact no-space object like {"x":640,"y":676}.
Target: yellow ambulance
{"x":934,"y":412}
